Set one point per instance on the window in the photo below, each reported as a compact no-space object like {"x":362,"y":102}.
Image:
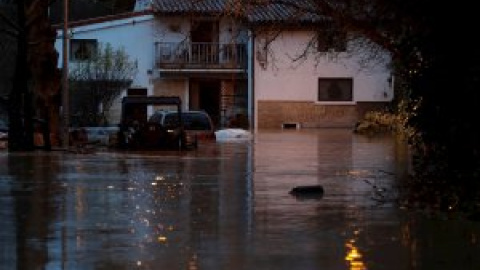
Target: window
{"x":335,"y":89}
{"x":82,"y":49}
{"x":331,"y":39}
{"x":191,"y":121}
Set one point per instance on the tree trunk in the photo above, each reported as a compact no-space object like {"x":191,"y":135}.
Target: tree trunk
{"x":37,"y":79}
{"x":19,"y":119}
{"x":43,"y":60}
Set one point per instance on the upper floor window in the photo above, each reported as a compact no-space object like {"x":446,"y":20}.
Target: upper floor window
{"x":82,"y":49}
{"x":335,"y":89}
{"x":331,"y":39}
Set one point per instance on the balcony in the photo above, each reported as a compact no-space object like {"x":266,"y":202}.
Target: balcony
{"x":199,"y":57}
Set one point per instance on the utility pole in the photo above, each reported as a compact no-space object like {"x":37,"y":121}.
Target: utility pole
{"x":65,"y":94}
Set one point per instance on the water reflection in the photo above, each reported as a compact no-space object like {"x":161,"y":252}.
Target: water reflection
{"x":225,"y":206}
{"x":354,"y":257}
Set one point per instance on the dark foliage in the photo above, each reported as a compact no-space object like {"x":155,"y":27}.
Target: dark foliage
{"x":85,"y":9}
{"x":446,"y":81}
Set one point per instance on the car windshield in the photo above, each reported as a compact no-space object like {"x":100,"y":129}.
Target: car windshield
{"x":191,"y":121}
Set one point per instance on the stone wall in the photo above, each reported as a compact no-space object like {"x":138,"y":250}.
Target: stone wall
{"x":274,"y":114}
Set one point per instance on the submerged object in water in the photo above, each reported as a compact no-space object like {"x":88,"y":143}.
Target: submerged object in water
{"x":307,"y":192}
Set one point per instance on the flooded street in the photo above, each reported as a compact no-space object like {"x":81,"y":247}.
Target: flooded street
{"x":224,"y":206}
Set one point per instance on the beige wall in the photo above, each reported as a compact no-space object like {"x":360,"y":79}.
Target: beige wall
{"x":177,"y":87}
{"x":287,"y":91}
{"x":272,"y":114}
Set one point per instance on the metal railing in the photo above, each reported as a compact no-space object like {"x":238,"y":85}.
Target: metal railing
{"x":200,"y":55}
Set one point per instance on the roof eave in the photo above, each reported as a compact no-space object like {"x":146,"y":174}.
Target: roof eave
{"x":103,"y":19}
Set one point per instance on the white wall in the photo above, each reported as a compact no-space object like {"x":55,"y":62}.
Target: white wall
{"x":173,"y":87}
{"x":284,"y":79}
{"x":171,"y":29}
{"x":177,"y":29}
{"x":231,"y":31}
{"x":133,"y":34}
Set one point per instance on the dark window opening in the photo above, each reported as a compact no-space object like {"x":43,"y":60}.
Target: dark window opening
{"x":83,"y":49}
{"x":335,"y":89}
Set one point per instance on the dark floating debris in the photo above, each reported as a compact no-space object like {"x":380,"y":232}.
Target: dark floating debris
{"x":307,"y":192}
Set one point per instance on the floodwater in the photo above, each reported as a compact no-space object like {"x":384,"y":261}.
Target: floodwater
{"x":224,"y":206}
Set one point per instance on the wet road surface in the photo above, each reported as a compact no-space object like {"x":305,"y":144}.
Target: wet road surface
{"x":224,"y":206}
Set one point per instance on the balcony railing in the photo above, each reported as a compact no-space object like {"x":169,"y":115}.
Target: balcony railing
{"x":200,"y":55}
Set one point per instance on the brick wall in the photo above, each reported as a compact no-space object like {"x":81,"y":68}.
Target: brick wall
{"x":272,"y":114}
{"x":364,"y":107}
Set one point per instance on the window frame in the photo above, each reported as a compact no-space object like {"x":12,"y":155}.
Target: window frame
{"x":75,"y":45}
{"x":343,"y":98}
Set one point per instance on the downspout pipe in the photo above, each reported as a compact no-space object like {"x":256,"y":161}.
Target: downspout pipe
{"x":251,"y":78}
{"x":65,"y":90}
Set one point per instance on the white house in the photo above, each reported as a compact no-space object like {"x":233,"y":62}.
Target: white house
{"x":226,"y":66}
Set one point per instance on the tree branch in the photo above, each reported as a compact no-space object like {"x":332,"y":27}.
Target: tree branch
{"x":12,"y":32}
{"x":9,"y":32}
{"x":353,"y":23}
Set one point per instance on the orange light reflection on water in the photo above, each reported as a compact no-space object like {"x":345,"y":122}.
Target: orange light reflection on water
{"x":354,"y":257}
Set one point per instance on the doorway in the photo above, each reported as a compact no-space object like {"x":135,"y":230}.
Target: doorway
{"x":204,"y":31}
{"x":205,"y":96}
{"x":204,"y":37}
{"x":209,"y":99}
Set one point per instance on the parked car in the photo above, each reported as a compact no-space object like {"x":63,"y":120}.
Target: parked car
{"x":103,"y":136}
{"x":197,"y":124}
{"x":138,"y":132}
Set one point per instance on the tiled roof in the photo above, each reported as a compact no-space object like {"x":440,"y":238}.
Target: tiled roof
{"x":285,"y":10}
{"x":270,"y":11}
{"x":189,"y":6}
{"x":277,"y":11}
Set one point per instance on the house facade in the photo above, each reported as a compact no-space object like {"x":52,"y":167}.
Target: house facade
{"x":294,"y":84}
{"x":231,"y":67}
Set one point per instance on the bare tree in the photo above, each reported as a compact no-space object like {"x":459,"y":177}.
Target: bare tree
{"x":32,"y":80}
{"x":97,"y":81}
{"x":36,"y":78}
